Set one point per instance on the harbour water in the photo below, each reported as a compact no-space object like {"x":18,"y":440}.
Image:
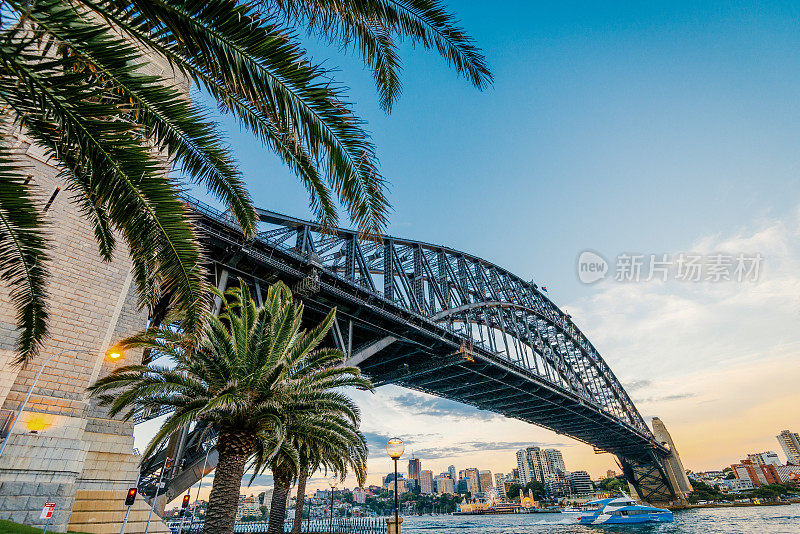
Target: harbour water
{"x":750,"y":520}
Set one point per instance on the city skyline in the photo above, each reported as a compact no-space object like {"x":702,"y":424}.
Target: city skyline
{"x":436,"y":467}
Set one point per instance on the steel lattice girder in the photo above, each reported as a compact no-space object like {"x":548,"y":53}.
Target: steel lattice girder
{"x":438,"y":302}
{"x":441,"y":284}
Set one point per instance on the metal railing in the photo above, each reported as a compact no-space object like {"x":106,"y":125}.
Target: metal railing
{"x":339,"y":525}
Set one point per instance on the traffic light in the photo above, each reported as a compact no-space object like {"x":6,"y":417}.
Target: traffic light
{"x":131,"y":497}
{"x":185,"y":505}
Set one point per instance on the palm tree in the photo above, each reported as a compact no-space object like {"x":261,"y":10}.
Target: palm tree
{"x":329,"y":453}
{"x":256,"y":376}
{"x":328,"y":439}
{"x":75,"y":80}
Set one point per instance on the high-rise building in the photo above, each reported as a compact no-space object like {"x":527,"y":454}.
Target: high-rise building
{"x":533,"y":465}
{"x":581,"y":482}
{"x":515,"y":473}
{"x":402,"y":483}
{"x":523,"y":466}
{"x":473,"y":478}
{"x":452,"y":471}
{"x":546,"y":466}
{"x":485,"y":479}
{"x":541,"y":468}
{"x":413,"y":470}
{"x":790,"y":442}
{"x":426,"y":481}
{"x":444,"y":485}
{"x":764,"y":458}
{"x":757,"y":474}
{"x":556,"y":460}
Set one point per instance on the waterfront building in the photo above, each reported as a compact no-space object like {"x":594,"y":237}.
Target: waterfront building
{"x":413,"y":470}
{"x":764,"y":458}
{"x":790,"y":443}
{"x":485,"y":479}
{"x":736,"y":485}
{"x":788,"y":473}
{"x":556,"y":484}
{"x":581,"y":482}
{"x":757,"y":474}
{"x":708,"y":475}
{"x":426,"y":481}
{"x":247,"y":506}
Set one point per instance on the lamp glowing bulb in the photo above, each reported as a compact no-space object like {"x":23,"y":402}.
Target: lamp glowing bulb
{"x":395,"y":448}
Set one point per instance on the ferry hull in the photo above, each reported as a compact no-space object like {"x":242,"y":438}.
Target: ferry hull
{"x":604,"y":519}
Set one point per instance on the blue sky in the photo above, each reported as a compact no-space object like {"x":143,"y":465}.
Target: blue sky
{"x":652,"y":127}
{"x":619,"y":128}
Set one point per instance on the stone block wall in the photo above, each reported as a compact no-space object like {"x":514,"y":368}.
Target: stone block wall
{"x":77,"y":454}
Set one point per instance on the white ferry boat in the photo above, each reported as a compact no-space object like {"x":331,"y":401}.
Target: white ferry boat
{"x":622,"y":510}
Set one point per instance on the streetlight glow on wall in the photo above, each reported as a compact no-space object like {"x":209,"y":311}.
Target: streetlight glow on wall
{"x":113,"y":355}
{"x":395,"y":449}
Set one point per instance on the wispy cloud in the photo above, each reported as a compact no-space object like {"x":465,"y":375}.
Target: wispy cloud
{"x":469,"y":447}
{"x":438,"y":407}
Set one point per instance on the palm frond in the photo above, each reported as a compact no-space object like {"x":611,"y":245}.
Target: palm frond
{"x":22,"y":255}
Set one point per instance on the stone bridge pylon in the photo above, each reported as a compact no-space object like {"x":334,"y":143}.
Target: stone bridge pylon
{"x":64,"y":448}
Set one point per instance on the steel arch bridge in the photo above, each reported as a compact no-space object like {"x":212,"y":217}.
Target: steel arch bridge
{"x":437,"y":320}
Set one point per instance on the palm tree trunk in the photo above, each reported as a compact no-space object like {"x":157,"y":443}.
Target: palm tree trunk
{"x":234,"y":450}
{"x":277,"y":511}
{"x":301,"y":498}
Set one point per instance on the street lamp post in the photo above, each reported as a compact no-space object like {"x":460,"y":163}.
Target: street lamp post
{"x":111,"y":355}
{"x":332,"y":483}
{"x":395,"y":449}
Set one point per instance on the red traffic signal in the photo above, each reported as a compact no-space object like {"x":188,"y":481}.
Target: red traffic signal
{"x":185,"y":501}
{"x":131,"y":497}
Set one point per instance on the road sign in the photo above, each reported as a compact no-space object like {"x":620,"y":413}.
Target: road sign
{"x":47,"y":510}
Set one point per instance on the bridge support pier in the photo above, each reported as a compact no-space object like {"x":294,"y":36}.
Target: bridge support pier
{"x":662,"y":479}
{"x":394,"y":528}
